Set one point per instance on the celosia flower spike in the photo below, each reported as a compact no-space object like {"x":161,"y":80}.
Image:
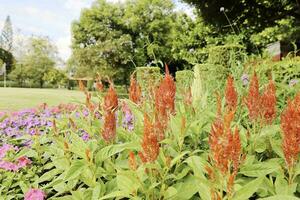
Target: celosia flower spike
{"x":110,"y":100}
{"x":231,"y":94}
{"x":109,"y":130}
{"x":268,"y":103}
{"x":290,"y":120}
{"x":253,"y":98}
{"x":135,"y":93}
{"x":150,"y":143}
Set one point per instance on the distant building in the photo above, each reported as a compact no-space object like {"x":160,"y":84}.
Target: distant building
{"x":279,"y":49}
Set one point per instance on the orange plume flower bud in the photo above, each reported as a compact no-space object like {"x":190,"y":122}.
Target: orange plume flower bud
{"x":110,"y":100}
{"x":135,"y":92}
{"x":132,"y":161}
{"x":290,"y":120}
{"x":231,"y":94}
{"x":109,"y":130}
{"x":149,"y":143}
{"x":253,"y":99}
{"x":268,"y":103}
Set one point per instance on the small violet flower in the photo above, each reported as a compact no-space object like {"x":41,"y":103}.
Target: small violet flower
{"x":293,"y":82}
{"x":245,"y":79}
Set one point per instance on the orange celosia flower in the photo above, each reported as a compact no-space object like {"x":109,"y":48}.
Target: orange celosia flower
{"x":132,"y":161}
{"x":150,"y":143}
{"x":135,"y":93}
{"x":109,"y":130}
{"x":290,"y":120}
{"x":168,"y":91}
{"x":231,"y":94}
{"x":110,"y":100}
{"x":253,"y":98}
{"x":225,"y":148}
{"x":268,"y":103}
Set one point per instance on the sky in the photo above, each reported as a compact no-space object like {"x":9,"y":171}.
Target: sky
{"x":50,"y":18}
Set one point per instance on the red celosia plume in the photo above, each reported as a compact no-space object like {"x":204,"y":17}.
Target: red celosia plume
{"x":135,"y":93}
{"x":110,"y":100}
{"x":268,"y":103}
{"x":253,"y":98}
{"x":231,"y":94}
{"x":109,"y":130}
{"x":290,"y":120}
{"x":263,"y":106}
{"x":150,"y":143}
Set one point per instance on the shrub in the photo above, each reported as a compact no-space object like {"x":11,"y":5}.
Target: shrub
{"x":184,"y":80}
{"x":147,"y":77}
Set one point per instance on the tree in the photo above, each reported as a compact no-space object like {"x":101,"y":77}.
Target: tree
{"x":55,"y":77}
{"x":6,"y":39}
{"x":114,"y":38}
{"x":39,"y":60}
{"x":254,"y":15}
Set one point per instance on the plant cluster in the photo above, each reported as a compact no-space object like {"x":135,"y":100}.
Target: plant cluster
{"x":241,"y":146}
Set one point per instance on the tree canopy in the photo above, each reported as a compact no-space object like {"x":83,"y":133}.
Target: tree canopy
{"x":254,"y":15}
{"x":114,"y":38}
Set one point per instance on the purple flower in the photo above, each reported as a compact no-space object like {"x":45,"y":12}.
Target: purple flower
{"x":85,"y":136}
{"x":245,"y":79}
{"x":293,"y":82}
{"x":35,"y":194}
{"x":5,"y":148}
{"x":128,"y":118}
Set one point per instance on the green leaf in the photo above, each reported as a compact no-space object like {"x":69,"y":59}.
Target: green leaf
{"x":248,"y":190}
{"x":114,"y":194}
{"x":282,"y":187}
{"x":280,"y":197}
{"x":260,"y":169}
{"x":111,"y":150}
{"x":49,"y":175}
{"x":96,"y":192}
{"x":187,"y":188}
{"x":75,"y":170}
{"x":170,"y":193}
{"x":197,"y":164}
{"x":127,"y":182}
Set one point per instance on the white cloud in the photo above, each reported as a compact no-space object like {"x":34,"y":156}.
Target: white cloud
{"x":76,"y":5}
{"x":63,"y":45}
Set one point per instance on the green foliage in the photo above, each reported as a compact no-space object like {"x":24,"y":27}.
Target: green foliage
{"x":55,"y":77}
{"x":225,"y":55}
{"x":184,"y":80}
{"x":112,"y":39}
{"x":148,"y":77}
{"x":37,"y":65}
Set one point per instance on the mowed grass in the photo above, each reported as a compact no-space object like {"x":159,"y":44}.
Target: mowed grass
{"x":12,"y":99}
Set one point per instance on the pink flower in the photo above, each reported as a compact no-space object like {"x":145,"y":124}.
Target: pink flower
{"x":5,"y":148}
{"x":9,"y":166}
{"x":23,"y":161}
{"x":35,"y":194}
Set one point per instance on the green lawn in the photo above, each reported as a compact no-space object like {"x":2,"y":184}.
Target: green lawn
{"x":19,"y":98}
